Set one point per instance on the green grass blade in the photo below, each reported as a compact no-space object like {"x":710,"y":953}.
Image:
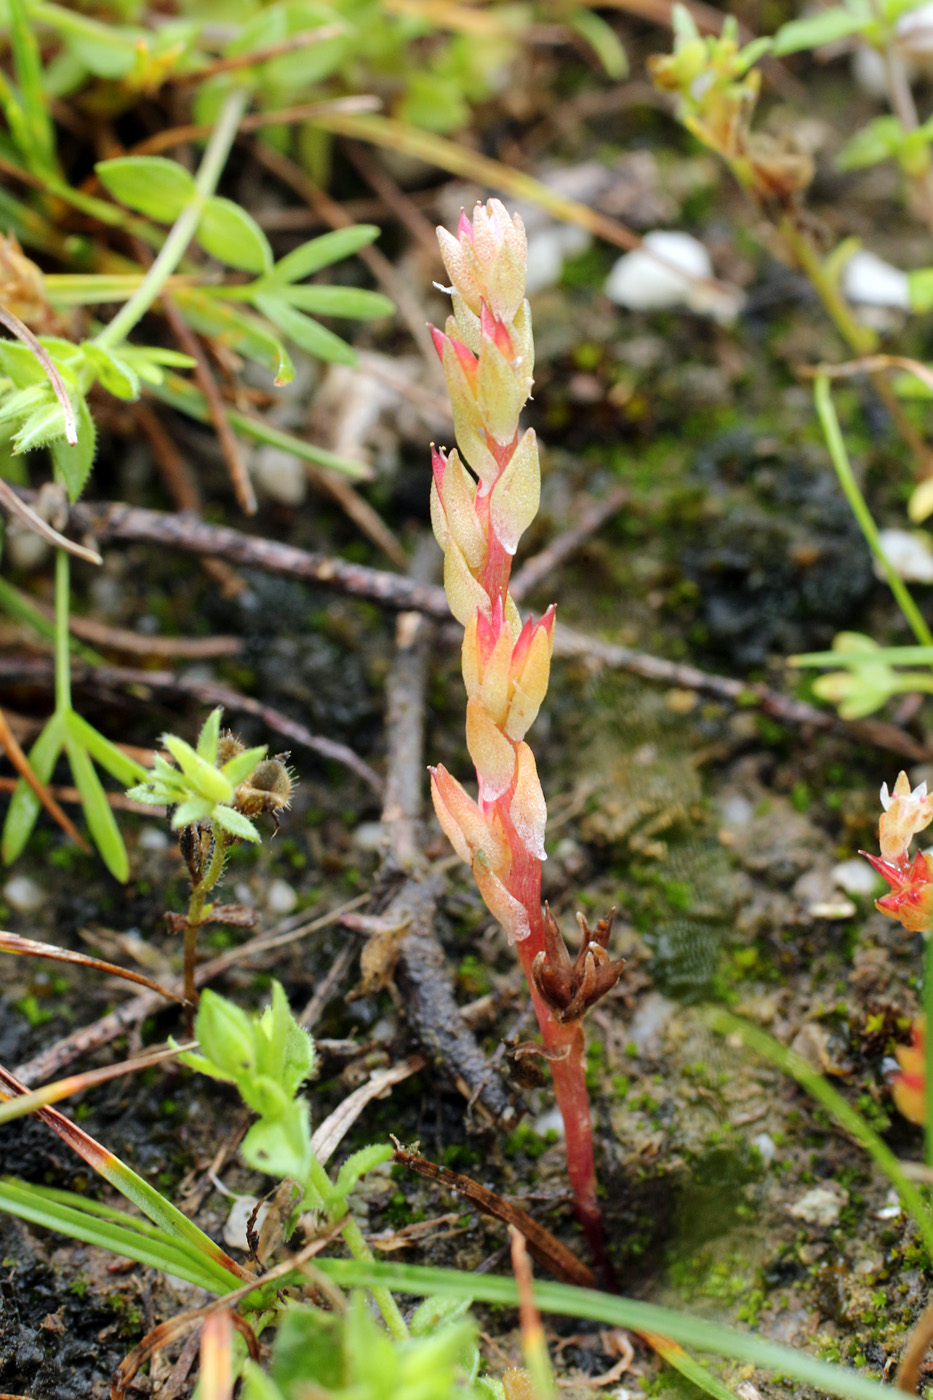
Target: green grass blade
{"x":34,"y":103}
{"x":838,"y":1108}
{"x":102,"y":824}
{"x":179,"y":394}
{"x":22,"y":609}
{"x":647,"y":1318}
{"x":113,"y":760}
{"x":25,"y":805}
{"x":883,"y":656}
{"x":30,"y":1203}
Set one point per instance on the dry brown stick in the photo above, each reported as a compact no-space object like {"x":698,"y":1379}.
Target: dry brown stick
{"x":542,"y":1245}
{"x":253,"y":57}
{"x":72,"y":796}
{"x":535,"y":570}
{"x":394,"y":198}
{"x":114,"y":521}
{"x":10,"y":743}
{"x":102,"y":1032}
{"x":183,"y":489}
{"x":229,"y":443}
{"x":138,"y":644}
{"x":918,"y":1344}
{"x":208,"y":693}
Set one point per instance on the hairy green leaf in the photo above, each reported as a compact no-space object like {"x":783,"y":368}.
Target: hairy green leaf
{"x":151,"y":185}
{"x":232,"y":236}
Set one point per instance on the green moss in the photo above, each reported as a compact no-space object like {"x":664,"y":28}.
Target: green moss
{"x":524,"y":1140}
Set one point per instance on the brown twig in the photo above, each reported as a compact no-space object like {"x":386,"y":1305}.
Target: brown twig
{"x":28,"y":947}
{"x":72,"y":796}
{"x":253,"y":57}
{"x":111,"y":521}
{"x":255,"y":121}
{"x":229,"y":444}
{"x":208,"y":693}
{"x":10,"y":744}
{"x":101,"y":1032}
{"x":918,"y":1344}
{"x":183,"y":489}
{"x":548,"y":1251}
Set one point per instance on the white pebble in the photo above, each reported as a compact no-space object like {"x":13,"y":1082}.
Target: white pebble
{"x":821,"y":1206}
{"x":910,"y":554}
{"x":369,"y":836}
{"x":237,"y":1223}
{"x":550,"y":1122}
{"x":677,"y":276}
{"x":281,"y":897}
{"x":154,"y":838}
{"x":23,"y":895}
{"x":548,"y":250}
{"x":855,"y":876}
{"x":766,"y":1146}
{"x":871,"y":281}
{"x":281,"y":475}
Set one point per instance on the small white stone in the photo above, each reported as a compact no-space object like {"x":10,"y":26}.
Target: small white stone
{"x":822,"y":1205}
{"x":891,"y":1209}
{"x":832,"y":909}
{"x":677,"y":276}
{"x":154,"y":838}
{"x":244,"y":895}
{"x":23,"y":895}
{"x":281,"y":475}
{"x":915,"y":30}
{"x":871,"y":281}
{"x":645,"y":283}
{"x":550,"y":1122}
{"x":766,"y":1146}
{"x":237,"y":1222}
{"x":855,"y":876}
{"x":25,"y":549}
{"x":281,"y":897}
{"x":910,"y":554}
{"x":369,"y":836}
{"x":548,"y":250}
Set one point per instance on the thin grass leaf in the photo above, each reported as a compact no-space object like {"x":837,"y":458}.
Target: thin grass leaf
{"x":25,"y":806}
{"x":27,"y":1203}
{"x":887,"y":656}
{"x":113,"y":760}
{"x":241,"y":330}
{"x":646,"y":1318}
{"x":307,"y":334}
{"x":838,"y":1108}
{"x":355,"y":302}
{"x":101,"y":822}
{"x":321,"y":252}
{"x":179,"y":394}
{"x":27,"y":64}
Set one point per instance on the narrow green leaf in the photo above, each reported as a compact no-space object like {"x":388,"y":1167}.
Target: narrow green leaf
{"x":873,"y":142}
{"x":240,"y":329}
{"x":232,"y":236}
{"x":115,"y":373}
{"x":209,"y":737}
{"x":321,"y":252}
{"x":24,"y":805}
{"x":40,"y":428}
{"x":151,"y":185}
{"x":233,"y":821}
{"x":825,"y":27}
{"x":339,"y":301}
{"x":562,"y":1298}
{"x":73,"y":461}
{"x":98,"y":812}
{"x":27,"y":64}
{"x":27,"y":1202}
{"x":602,"y":39}
{"x":306,"y":334}
{"x":113,"y":760}
{"x":237,"y":769}
{"x":180,"y":394}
